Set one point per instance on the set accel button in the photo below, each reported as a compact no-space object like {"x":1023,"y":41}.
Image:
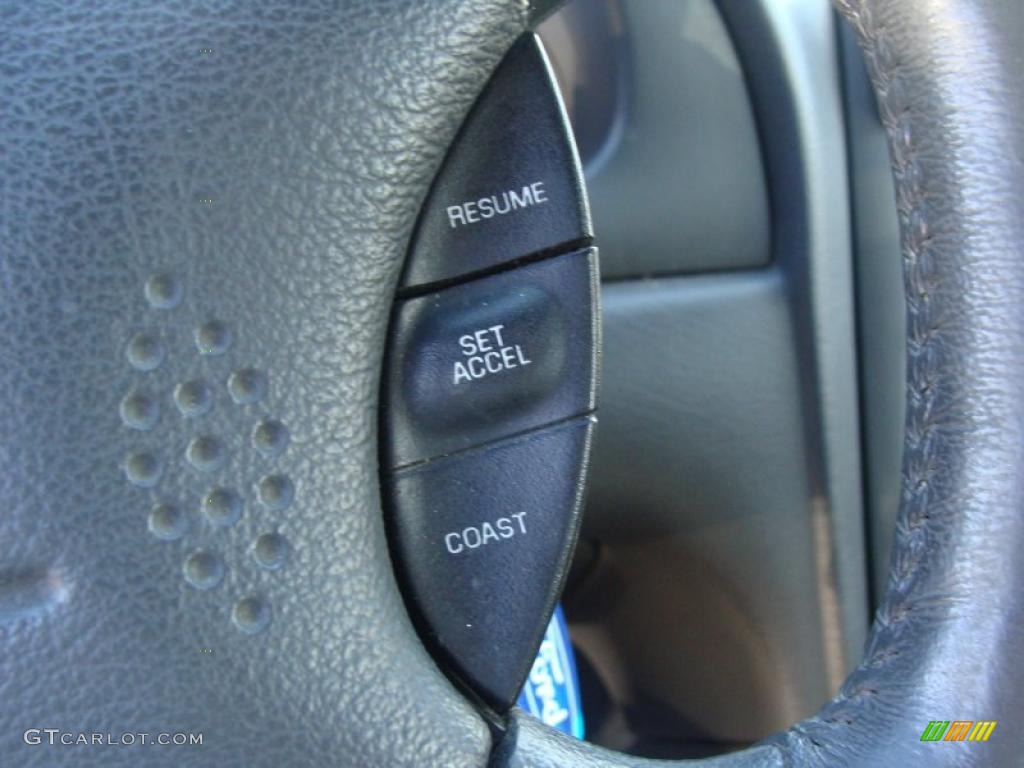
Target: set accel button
{"x":492,"y":357}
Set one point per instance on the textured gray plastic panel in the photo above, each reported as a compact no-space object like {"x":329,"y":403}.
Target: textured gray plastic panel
{"x":726,"y":477}
{"x":679,"y":185}
{"x":701,"y":489}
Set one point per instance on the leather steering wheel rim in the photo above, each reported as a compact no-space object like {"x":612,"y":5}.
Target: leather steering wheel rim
{"x":204,"y":216}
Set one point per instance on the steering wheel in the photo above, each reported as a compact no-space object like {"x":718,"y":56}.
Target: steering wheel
{"x":195,"y":195}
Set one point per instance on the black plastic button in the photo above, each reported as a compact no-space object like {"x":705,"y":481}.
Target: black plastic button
{"x":483,"y":540}
{"x":492,"y":357}
{"x":511,"y":184}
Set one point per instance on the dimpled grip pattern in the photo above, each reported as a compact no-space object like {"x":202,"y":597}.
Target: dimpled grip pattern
{"x":204,"y":212}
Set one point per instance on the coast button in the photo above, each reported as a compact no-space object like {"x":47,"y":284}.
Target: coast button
{"x":511,"y":185}
{"x":492,"y":357}
{"x":482,"y":542}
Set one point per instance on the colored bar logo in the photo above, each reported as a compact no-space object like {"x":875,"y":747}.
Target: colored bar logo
{"x":958,"y":730}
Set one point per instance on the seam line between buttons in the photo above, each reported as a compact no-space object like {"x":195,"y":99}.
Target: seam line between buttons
{"x":421,"y":463}
{"x":548,"y":253}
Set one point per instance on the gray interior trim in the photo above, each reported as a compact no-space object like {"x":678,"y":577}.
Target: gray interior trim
{"x":728,"y":454}
{"x":681,"y":188}
{"x":708,"y":608}
{"x":789,"y":52}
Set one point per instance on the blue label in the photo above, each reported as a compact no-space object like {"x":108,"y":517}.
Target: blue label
{"x":552,"y":691}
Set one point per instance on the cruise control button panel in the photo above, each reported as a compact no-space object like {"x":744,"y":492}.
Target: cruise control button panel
{"x":492,"y":357}
{"x":511,"y":185}
{"x":488,"y":392}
